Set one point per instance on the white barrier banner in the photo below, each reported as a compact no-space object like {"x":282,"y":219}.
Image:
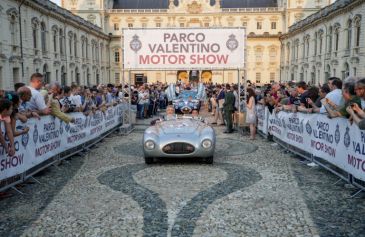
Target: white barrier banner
{"x":50,"y":136}
{"x":334,"y":140}
{"x":262,"y":118}
{"x":174,"y":48}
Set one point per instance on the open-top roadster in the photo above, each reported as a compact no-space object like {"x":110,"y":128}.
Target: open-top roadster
{"x":179,"y":138}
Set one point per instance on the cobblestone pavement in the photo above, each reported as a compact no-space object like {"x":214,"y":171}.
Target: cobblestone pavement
{"x":252,"y":189}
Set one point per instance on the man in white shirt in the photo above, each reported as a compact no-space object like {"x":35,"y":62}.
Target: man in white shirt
{"x":335,"y":96}
{"x":37,"y":102}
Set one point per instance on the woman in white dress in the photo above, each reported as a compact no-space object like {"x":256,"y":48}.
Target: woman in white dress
{"x":251,"y":112}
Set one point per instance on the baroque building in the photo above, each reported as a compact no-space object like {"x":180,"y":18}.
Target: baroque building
{"x":265,"y":21}
{"x":39,"y":36}
{"x":328,"y":43}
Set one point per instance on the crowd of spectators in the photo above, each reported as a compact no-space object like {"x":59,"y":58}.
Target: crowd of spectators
{"x":336,"y":98}
{"x":38,"y":99}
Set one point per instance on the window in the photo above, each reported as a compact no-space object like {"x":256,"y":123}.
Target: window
{"x":13,"y":26}
{"x":303,"y":52}
{"x":320,"y":43}
{"x":75,"y":45}
{"x":206,"y":24}
{"x":273,"y":25}
{"x":259,"y":25}
{"x":330,"y":40}
{"x":258,"y":77}
{"x":61,"y":42}
{"x":35,"y":36}
{"x":87,"y":48}
{"x":357,"y":32}
{"x":315,"y":43}
{"x":82,"y":47}
{"x":70,"y":44}
{"x":116,"y":57}
{"x":158,"y":24}
{"x":130,"y":25}
{"x":349,"y":34}
{"x":244,"y":23}
{"x":307,"y":47}
{"x":182,"y":24}
{"x":117,"y":77}
{"x":230,"y":24}
{"x":144,"y":25}
{"x":272,"y":54}
{"x":272,"y":77}
{"x":116,"y":26}
{"x":259,"y":53}
{"x":337,"y":38}
{"x":55,"y":41}
{"x":43,"y":37}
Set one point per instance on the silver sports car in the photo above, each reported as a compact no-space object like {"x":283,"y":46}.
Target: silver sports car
{"x":179,"y":138}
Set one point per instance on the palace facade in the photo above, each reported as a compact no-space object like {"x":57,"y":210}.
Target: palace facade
{"x":329,"y":43}
{"x":81,"y":42}
{"x":265,"y":21}
{"x":39,"y":36}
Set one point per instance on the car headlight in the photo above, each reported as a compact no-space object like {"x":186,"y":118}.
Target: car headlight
{"x":149,"y":145}
{"x":207,"y":144}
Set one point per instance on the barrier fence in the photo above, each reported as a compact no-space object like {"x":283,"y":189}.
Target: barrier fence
{"x":334,"y":144}
{"x":49,"y":140}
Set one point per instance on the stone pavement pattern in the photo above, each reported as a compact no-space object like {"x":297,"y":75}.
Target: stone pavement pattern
{"x":252,"y":189}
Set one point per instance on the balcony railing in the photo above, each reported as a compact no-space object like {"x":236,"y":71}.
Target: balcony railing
{"x":137,"y":11}
{"x":261,"y":9}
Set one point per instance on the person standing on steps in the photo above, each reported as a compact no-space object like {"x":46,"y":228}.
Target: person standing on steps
{"x":228,"y":108}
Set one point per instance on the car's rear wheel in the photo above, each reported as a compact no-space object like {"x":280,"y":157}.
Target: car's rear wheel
{"x":209,"y":160}
{"x":148,"y":160}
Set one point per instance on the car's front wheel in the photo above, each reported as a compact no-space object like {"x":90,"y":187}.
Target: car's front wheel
{"x":209,"y":160}
{"x":148,"y":160}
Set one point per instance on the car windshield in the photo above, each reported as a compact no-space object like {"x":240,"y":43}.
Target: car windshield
{"x":186,"y":94}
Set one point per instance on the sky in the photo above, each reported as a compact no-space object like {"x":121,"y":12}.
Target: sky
{"x":58,"y":2}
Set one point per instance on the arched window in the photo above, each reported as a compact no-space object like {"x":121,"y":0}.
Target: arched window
{"x":320,"y":41}
{"x":70,"y":36}
{"x":337,"y":37}
{"x":288,"y":52}
{"x":75,"y":45}
{"x":13,"y":17}
{"x":307,"y":42}
{"x":82,"y":47}
{"x":35,"y":25}
{"x":87,"y":48}
{"x":54,"y":37}
{"x":63,"y":76}
{"x":315,"y":43}
{"x":77,"y":74}
{"x":259,"y":54}
{"x":46,"y":74}
{"x":304,"y":44}
{"x":116,"y":56}
{"x":346,"y":71}
{"x":330,"y":35}
{"x":349,"y":34}
{"x":357,"y":24}
{"x":43,"y":37}
{"x":61,"y":42}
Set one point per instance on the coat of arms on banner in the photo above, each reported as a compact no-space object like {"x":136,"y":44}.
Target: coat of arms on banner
{"x":135,"y":44}
{"x":308,"y":127}
{"x":337,"y":134}
{"x":347,"y":139}
{"x":25,"y":137}
{"x":232,"y":43}
{"x":35,"y":134}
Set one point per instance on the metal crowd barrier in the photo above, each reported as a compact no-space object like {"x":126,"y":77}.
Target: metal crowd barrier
{"x":11,"y":182}
{"x":342,"y":174}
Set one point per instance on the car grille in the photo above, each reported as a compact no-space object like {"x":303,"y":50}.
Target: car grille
{"x":178,"y":148}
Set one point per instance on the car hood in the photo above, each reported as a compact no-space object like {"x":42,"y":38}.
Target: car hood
{"x":182,"y":126}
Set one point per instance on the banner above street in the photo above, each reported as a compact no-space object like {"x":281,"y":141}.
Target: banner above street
{"x":172,"y":49}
